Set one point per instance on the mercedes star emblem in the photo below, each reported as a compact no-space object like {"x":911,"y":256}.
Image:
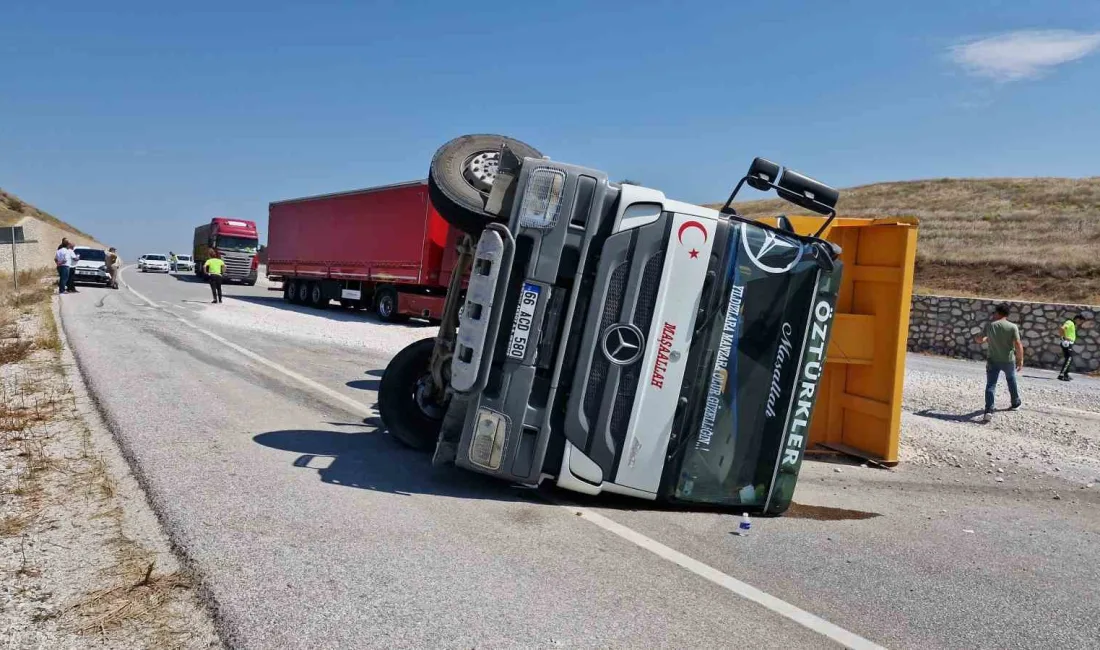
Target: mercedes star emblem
{"x":622,"y":344}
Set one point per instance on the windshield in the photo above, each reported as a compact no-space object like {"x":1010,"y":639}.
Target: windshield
{"x":91,"y":254}
{"x":154,"y":258}
{"x":183,"y":258}
{"x":245,"y":244}
{"x":749,"y":354}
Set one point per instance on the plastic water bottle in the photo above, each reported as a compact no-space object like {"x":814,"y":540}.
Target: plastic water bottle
{"x":745,"y":525}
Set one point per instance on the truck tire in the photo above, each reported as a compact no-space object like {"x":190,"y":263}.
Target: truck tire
{"x":462,"y":174}
{"x":386,"y":305}
{"x":317,"y":297}
{"x":303,"y":292}
{"x":288,"y":290}
{"x":404,"y":411}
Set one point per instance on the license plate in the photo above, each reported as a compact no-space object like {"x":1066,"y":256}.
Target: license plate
{"x":525,"y":321}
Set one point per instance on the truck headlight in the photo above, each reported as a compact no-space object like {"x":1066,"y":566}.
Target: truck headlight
{"x":542,"y":199}
{"x":490,"y":434}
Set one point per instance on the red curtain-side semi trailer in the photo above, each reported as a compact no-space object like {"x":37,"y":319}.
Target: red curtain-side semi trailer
{"x":382,"y":248}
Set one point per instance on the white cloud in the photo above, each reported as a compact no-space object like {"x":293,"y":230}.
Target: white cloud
{"x":1024,"y":54}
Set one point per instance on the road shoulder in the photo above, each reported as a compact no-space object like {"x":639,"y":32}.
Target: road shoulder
{"x":85,"y":561}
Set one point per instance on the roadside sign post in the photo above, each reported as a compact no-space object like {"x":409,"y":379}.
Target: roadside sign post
{"x":14,"y":262}
{"x":16,"y":237}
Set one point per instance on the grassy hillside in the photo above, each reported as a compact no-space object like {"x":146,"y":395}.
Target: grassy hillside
{"x":1028,"y":238}
{"x":12,"y":209}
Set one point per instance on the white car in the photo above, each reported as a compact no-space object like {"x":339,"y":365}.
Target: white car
{"x":153,"y":263}
{"x":91,"y":265}
{"x":183,"y":263}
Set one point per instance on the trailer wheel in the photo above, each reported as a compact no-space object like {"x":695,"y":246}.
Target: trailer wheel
{"x":317,"y":297}
{"x":386,"y":305}
{"x":303,"y":292}
{"x":407,"y":411}
{"x":462,"y":173}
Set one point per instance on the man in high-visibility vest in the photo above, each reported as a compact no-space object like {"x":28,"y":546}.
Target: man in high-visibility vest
{"x":1068,"y":330}
{"x":214,"y":268}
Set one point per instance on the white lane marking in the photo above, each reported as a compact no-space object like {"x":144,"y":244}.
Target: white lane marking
{"x":744,"y":590}
{"x":357,"y":407}
{"x":705,"y":571}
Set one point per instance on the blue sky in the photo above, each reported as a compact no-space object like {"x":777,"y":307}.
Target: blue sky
{"x":137,"y":123}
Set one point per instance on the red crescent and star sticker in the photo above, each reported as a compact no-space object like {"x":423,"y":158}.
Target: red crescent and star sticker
{"x":694,"y":253}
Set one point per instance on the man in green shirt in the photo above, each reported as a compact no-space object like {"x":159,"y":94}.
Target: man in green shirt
{"x":1006,"y":354}
{"x":1068,"y":330}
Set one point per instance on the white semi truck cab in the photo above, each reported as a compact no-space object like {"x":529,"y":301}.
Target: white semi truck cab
{"x":613,"y":340}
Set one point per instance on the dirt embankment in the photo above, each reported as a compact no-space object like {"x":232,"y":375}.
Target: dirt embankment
{"x":37,"y":237}
{"x":1018,"y":238}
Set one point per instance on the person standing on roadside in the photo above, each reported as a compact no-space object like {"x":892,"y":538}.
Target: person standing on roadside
{"x":114,"y":263}
{"x":1068,"y":330}
{"x":73,"y":259}
{"x":214,"y":268}
{"x":1006,"y":354}
{"x":61,"y":258}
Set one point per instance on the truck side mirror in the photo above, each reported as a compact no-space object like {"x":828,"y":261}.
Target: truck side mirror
{"x":805,"y":192}
{"x":762,"y":174}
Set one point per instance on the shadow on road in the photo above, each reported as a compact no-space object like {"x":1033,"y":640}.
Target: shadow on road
{"x":371,"y":460}
{"x":188,"y":277}
{"x":367,"y":384}
{"x":364,"y":384}
{"x":949,"y":417}
{"x":973,"y":416}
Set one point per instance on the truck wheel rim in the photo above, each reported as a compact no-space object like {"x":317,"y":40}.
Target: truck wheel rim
{"x":316,"y":294}
{"x":385,"y":306}
{"x":480,"y":170}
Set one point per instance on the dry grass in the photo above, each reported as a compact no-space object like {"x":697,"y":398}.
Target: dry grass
{"x":1032,"y":238}
{"x":13,"y":525}
{"x":134,"y":600}
{"x":12,"y":209}
{"x":34,"y":294}
{"x":138,"y":594}
{"x":14,"y":351}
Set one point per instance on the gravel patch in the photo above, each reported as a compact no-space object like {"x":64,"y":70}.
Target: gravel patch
{"x":1056,"y":433}
{"x":333,"y":326}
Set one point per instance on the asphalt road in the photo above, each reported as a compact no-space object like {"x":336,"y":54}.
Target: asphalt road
{"x":310,"y":528}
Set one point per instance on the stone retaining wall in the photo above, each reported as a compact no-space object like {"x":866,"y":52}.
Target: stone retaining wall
{"x":947,"y":325}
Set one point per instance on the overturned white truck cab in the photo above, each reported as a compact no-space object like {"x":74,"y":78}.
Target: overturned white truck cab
{"x":613,"y":340}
